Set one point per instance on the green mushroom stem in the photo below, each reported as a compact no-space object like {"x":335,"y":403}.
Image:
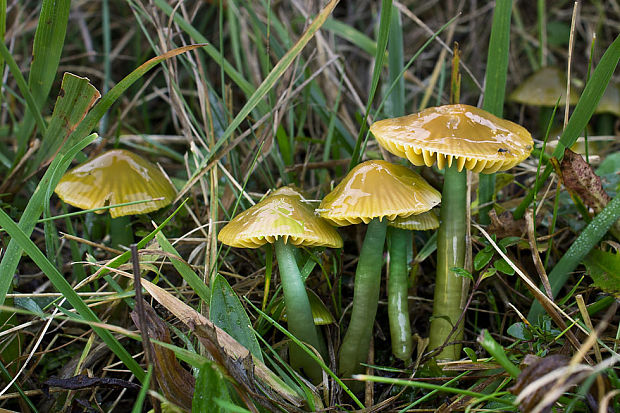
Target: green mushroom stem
{"x":447,"y":303}
{"x":356,"y":342}
{"x":299,"y":313}
{"x":398,"y":307}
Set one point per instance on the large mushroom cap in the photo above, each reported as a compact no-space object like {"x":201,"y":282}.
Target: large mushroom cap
{"x":378,"y":189}
{"x":472,"y":137}
{"x":419,"y":222}
{"x":115,"y":177}
{"x":279,"y":216}
{"x":543,"y":88}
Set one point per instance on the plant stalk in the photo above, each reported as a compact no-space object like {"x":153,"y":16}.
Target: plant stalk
{"x":356,"y":342}
{"x":298,"y":311}
{"x":449,"y":288}
{"x":398,"y":307}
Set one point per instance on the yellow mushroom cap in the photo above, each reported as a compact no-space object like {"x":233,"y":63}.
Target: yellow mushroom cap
{"x":378,"y":189}
{"x":610,"y":101}
{"x":474,"y":138}
{"x":279,"y":216}
{"x":116,"y":177}
{"x":543,"y":88}
{"x":418,"y":222}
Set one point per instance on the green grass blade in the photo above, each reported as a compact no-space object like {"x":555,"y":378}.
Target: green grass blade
{"x":23,"y":87}
{"x":495,"y":90}
{"x":137,"y":407}
{"x":588,"y":238}
{"x":49,"y":40}
{"x":353,"y":35}
{"x":396,"y":62}
{"x":59,"y":282}
{"x":581,"y":116}
{"x":382,"y":39}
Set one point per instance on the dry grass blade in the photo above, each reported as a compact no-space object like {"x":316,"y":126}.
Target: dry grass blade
{"x":221,"y":340}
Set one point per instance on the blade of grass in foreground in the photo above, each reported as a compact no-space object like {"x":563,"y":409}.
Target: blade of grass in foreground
{"x":581,"y":116}
{"x":495,"y":90}
{"x":35,"y":206}
{"x":430,"y":386}
{"x":588,"y":238}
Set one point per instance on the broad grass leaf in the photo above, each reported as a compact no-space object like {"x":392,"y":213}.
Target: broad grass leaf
{"x":228,"y":313}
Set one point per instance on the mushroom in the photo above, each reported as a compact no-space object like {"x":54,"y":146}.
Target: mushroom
{"x":116,"y":177}
{"x":543,"y":88}
{"x":373,"y":192}
{"x":284,"y":220}
{"x":397,"y":285}
{"x":455,"y":137}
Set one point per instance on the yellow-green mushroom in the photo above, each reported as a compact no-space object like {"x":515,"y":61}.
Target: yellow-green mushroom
{"x":285,"y":221}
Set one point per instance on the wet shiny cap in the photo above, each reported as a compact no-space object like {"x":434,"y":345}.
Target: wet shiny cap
{"x":543,"y":88}
{"x":471,"y":137}
{"x":116,"y":177}
{"x":420,"y":222}
{"x":378,"y":189}
{"x":278,"y":216}
{"x":610,"y":101}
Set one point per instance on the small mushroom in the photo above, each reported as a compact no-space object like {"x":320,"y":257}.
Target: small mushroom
{"x":115,"y":177}
{"x":543,"y":88}
{"x":374,"y":192}
{"x":284,"y":220}
{"x":455,"y":137}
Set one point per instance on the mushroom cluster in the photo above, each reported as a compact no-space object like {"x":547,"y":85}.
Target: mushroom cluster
{"x":454,"y":137}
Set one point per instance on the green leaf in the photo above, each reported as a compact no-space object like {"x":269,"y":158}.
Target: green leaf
{"x":461,"y":272}
{"x":482,"y":258}
{"x":503,"y":266}
{"x":604,"y":268}
{"x":210,"y":386}
{"x":471,"y":354}
{"x":520,"y":330}
{"x":227,"y":313}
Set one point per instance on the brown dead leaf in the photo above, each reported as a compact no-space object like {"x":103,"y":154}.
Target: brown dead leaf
{"x":505,"y":225}
{"x":579,"y":178}
{"x":176,"y":383}
{"x":535,"y":369}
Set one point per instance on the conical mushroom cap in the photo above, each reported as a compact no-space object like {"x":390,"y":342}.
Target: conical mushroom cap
{"x":378,"y":189}
{"x":610,"y":101}
{"x":116,"y":177}
{"x":472,"y":137}
{"x":418,"y":222}
{"x":279,"y":216}
{"x":543,"y":88}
